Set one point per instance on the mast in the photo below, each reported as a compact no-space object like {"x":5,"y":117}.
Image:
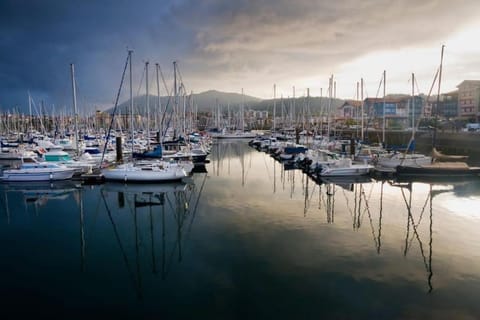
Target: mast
{"x":362,"y":107}
{"x":321,"y":111}
{"x":242,"y":124}
{"x":294,"y":117}
{"x":158,"y":126}
{"x":330,"y":82}
{"x":148,"y":105}
{"x":131,"y":94}
{"x":175,"y":92}
{"x":438,"y":99}
{"x":274,"y":106}
{"x":334,"y":113}
{"x":356,"y":109}
{"x":75,"y":112}
{"x":30,"y":111}
{"x":413,"y":104}
{"x":384,"y":103}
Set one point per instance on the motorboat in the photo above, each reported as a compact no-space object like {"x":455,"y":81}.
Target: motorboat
{"x":38,"y":171}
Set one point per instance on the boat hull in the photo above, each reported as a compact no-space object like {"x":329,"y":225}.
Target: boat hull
{"x":25,"y":175}
{"x":438,"y":170}
{"x":354,"y":170}
{"x":143,"y":174}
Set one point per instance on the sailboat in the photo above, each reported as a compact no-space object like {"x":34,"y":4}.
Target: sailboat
{"x":240,"y":133}
{"x":405,"y":159}
{"x":441,"y":165}
{"x":148,"y":172}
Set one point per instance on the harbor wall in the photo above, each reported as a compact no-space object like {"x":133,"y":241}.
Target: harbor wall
{"x":464,"y":143}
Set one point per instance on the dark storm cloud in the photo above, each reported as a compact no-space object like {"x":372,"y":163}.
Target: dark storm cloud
{"x":39,"y":39}
{"x":307,"y":37}
{"x":219,"y":44}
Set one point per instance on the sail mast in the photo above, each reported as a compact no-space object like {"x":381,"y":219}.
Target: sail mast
{"x":75,"y":112}
{"x":413,"y":105}
{"x":158,"y":121}
{"x":274,"y":107}
{"x":131,"y":95}
{"x":362,"y":107}
{"x":438,"y":99}
{"x":148,"y":105}
{"x":384,"y":103}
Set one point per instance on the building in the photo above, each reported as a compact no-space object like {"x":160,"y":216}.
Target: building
{"x":469,"y":99}
{"x":350,"y":109}
{"x":448,"y":105}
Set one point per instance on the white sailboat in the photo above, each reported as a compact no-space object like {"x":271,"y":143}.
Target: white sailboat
{"x":151,"y":172}
{"x":240,"y":133}
{"x":442,"y":164}
{"x":406,"y":159}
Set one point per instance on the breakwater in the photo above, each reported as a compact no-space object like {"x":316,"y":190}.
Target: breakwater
{"x":466,"y":143}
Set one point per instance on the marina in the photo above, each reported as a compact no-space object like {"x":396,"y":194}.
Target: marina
{"x":243,"y":238}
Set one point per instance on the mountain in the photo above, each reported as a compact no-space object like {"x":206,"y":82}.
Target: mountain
{"x":208,"y":99}
{"x":310,"y":105}
{"x":205,"y":101}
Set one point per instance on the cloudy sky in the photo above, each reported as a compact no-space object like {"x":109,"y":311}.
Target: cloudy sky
{"x":230,"y":45}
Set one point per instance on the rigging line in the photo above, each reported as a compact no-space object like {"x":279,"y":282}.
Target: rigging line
{"x":122,"y":249}
{"x":367,"y":209}
{"x":313,"y":190}
{"x":419,"y":242}
{"x":178,"y":240}
{"x":137,"y":250}
{"x":354,"y":209}
{"x":164,"y":82}
{"x":196,"y":203}
{"x":348,"y":205}
{"x":410,"y":219}
{"x":107,"y":139}
{"x":379,"y":86}
{"x":152,"y":238}
{"x":421,"y":215}
{"x":416,"y":85}
{"x":366,"y":200}
{"x":266,"y":167}
{"x":359,"y":212}
{"x":409,"y":208}
{"x":430,"y":244}
{"x":306,"y":204}
{"x":372,"y":229}
{"x":380,"y":219}
{"x":141,"y":80}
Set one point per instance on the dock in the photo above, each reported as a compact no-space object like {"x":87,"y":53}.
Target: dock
{"x":95,"y":177}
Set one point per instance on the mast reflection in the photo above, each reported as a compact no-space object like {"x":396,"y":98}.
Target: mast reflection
{"x":167,"y":208}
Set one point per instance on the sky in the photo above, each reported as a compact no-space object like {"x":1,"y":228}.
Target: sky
{"x":232,"y":45}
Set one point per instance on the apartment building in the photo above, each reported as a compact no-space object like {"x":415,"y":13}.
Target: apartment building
{"x":469,"y":99}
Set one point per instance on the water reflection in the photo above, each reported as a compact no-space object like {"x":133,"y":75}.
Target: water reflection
{"x":231,"y":157}
{"x":163,"y":213}
{"x":358,"y":248}
{"x":36,"y":194}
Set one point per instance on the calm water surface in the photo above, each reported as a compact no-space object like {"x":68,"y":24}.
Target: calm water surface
{"x":245,"y":240}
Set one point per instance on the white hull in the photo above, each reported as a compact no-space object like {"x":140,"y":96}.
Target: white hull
{"x":354,"y":170}
{"x":41,"y":174}
{"x":410,"y":160}
{"x":239,"y":135}
{"x":344,"y":167}
{"x":131,"y":173}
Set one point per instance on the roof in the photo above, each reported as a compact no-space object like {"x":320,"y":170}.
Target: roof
{"x":470,"y":82}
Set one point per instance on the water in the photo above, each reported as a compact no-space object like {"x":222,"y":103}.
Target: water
{"x":245,"y":240}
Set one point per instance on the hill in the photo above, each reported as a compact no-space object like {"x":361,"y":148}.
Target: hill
{"x":205,"y":101}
